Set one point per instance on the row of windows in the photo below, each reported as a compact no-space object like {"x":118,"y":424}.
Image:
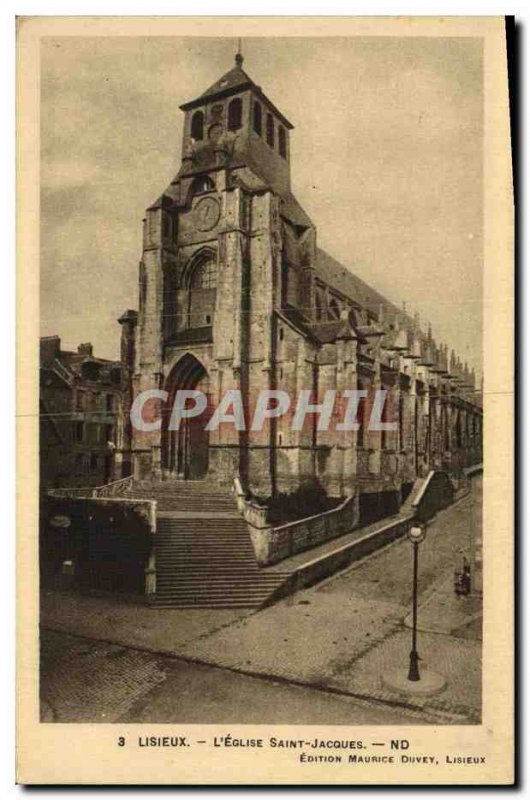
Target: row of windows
{"x":92,"y":432}
{"x":204,"y":276}
{"x":92,"y":371}
{"x":388,"y":438}
{"x":269,"y":130}
{"x":362,"y":420}
{"x":235,"y":117}
{"x":106,"y":401}
{"x":85,"y":462}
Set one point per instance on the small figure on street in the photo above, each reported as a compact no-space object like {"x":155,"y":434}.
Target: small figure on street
{"x":462,"y":578}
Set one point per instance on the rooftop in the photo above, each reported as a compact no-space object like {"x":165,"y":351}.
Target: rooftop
{"x":234,"y":81}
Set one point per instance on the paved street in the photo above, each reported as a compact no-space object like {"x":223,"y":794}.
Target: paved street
{"x":354,"y":624}
{"x":91,"y":681}
{"x":318,"y":655}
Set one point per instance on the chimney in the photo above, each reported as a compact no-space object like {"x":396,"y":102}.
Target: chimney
{"x":85,"y":349}
{"x":50,"y":347}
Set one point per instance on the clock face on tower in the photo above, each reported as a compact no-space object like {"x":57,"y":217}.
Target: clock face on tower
{"x":206,"y":213}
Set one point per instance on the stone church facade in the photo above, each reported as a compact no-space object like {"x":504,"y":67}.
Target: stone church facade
{"x":234,"y":293}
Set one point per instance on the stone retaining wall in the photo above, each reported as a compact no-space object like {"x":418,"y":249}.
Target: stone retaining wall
{"x":314,"y":571}
{"x":437,"y":492}
{"x":274,"y":544}
{"x":99,"y":543}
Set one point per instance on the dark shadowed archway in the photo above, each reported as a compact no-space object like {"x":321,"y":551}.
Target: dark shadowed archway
{"x":185,"y":451}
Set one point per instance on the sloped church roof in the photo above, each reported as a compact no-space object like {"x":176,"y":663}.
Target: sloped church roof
{"x":235,"y":78}
{"x":336,"y":275}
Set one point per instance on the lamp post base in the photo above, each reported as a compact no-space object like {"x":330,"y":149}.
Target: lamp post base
{"x":429,"y":683}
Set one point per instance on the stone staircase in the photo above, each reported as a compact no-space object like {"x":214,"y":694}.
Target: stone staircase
{"x":186,"y":497}
{"x":209,"y":563}
{"x":204,"y":555}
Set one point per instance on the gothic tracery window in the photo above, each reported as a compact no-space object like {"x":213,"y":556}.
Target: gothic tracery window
{"x":204,"y":276}
{"x":202,"y":292}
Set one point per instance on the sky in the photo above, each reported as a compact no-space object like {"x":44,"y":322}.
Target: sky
{"x":386,"y":158}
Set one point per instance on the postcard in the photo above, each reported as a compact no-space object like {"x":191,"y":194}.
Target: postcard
{"x":265,"y":401}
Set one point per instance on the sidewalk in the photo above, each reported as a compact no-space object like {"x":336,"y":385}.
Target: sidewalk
{"x":444,"y":612}
{"x":346,"y":633}
{"x":342,"y":634}
{"x":114,"y":620}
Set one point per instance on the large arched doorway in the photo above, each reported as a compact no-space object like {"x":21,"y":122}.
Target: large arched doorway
{"x":185,"y":451}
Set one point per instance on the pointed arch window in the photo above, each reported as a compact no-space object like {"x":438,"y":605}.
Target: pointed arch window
{"x":318,"y":307}
{"x":282,"y":142}
{"x":204,"y":276}
{"x":386,"y":417}
{"x":459,"y":430}
{"x":334,"y":309}
{"x":445,"y":428}
{"x":270,"y":130}
{"x":202,"y":290}
{"x":361,"y":417}
{"x":235,"y":114}
{"x":401,"y":415}
{"x":202,"y":183}
{"x":197,"y":126}
{"x":257,"y":118}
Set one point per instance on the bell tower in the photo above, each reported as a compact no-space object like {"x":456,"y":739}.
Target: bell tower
{"x":234,"y":124}
{"x":225,"y":247}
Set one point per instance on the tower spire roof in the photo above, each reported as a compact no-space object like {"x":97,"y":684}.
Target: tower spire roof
{"x":232,"y":82}
{"x":239,"y":54}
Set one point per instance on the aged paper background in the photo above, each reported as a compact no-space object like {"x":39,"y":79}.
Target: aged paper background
{"x":70,"y":753}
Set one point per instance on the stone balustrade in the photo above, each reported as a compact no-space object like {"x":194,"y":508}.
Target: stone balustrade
{"x":272,"y":544}
{"x":114,"y":489}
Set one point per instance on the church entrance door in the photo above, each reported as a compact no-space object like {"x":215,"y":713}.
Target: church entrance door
{"x":185,"y":451}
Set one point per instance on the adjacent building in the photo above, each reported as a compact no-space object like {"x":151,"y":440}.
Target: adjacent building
{"x":80,"y":403}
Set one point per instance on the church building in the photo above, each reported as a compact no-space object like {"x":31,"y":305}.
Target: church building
{"x":235,"y":294}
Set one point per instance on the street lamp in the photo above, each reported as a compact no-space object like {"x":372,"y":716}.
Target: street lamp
{"x":409,"y":681}
{"x":416,"y":535}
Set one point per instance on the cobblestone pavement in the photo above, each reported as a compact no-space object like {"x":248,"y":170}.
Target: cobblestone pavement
{"x":458,"y":660}
{"x":91,"y":681}
{"x":88,"y":681}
